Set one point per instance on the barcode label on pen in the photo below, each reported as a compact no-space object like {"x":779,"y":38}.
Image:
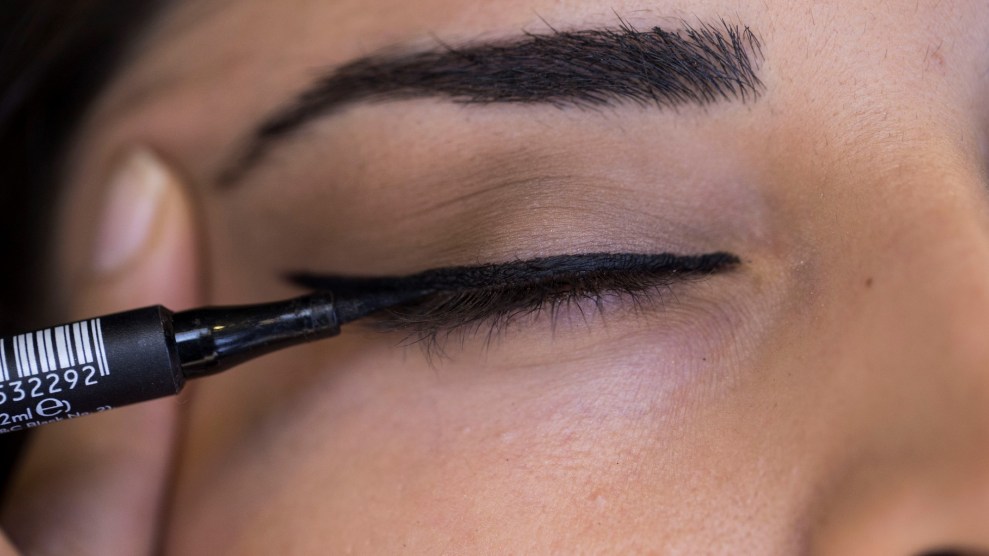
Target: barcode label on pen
{"x":53,"y":349}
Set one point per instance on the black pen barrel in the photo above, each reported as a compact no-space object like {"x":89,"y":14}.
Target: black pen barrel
{"x":86,"y":367}
{"x":102,"y":363}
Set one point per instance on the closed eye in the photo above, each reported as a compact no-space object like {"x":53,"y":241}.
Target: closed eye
{"x":485,"y":299}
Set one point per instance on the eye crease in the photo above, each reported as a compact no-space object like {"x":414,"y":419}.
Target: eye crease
{"x":465,"y":300}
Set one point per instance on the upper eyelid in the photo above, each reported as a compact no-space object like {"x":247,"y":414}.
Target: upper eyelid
{"x":518,"y":272}
{"x":430,"y":321}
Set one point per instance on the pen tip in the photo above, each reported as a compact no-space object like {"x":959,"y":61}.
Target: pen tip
{"x":350,"y":309}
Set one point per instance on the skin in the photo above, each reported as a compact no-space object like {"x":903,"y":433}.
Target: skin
{"x":831,"y":396}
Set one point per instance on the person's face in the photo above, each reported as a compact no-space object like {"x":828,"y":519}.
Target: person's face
{"x":830,"y":393}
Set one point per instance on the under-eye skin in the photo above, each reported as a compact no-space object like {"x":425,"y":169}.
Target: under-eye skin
{"x":485,"y":299}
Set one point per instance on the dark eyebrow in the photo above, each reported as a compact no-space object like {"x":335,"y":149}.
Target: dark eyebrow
{"x":585,"y":68}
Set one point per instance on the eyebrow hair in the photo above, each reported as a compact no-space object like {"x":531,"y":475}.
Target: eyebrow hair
{"x":697,"y":65}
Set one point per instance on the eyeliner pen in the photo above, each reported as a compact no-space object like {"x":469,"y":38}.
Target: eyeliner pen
{"x":98,"y":364}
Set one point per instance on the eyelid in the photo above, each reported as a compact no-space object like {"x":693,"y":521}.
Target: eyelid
{"x":518,"y":272}
{"x":464,"y":300}
{"x":432,"y":321}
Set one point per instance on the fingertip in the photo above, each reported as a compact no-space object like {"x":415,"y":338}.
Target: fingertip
{"x":146,"y":247}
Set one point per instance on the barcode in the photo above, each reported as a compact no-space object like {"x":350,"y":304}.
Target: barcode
{"x":54,"y":349}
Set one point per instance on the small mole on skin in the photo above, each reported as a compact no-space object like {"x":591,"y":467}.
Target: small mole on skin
{"x":868,"y":282}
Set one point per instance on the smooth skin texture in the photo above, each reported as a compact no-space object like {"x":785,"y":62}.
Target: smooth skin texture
{"x":829,"y":397}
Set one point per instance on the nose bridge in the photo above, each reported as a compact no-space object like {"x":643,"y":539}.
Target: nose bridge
{"x":934,"y":325}
{"x":945,"y":280}
{"x":919,"y":357}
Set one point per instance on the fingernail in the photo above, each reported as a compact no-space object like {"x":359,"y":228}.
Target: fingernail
{"x":132,"y":201}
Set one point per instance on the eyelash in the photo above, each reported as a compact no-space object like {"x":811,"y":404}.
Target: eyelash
{"x":488,"y":312}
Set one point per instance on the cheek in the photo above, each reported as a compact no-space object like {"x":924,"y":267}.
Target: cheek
{"x":462,"y":452}
{"x":468,"y":444}
{"x":601,"y":449}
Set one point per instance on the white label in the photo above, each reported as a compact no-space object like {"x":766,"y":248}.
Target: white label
{"x":53,"y":350}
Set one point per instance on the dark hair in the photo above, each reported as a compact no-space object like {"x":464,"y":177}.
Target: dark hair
{"x":54,"y":57}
